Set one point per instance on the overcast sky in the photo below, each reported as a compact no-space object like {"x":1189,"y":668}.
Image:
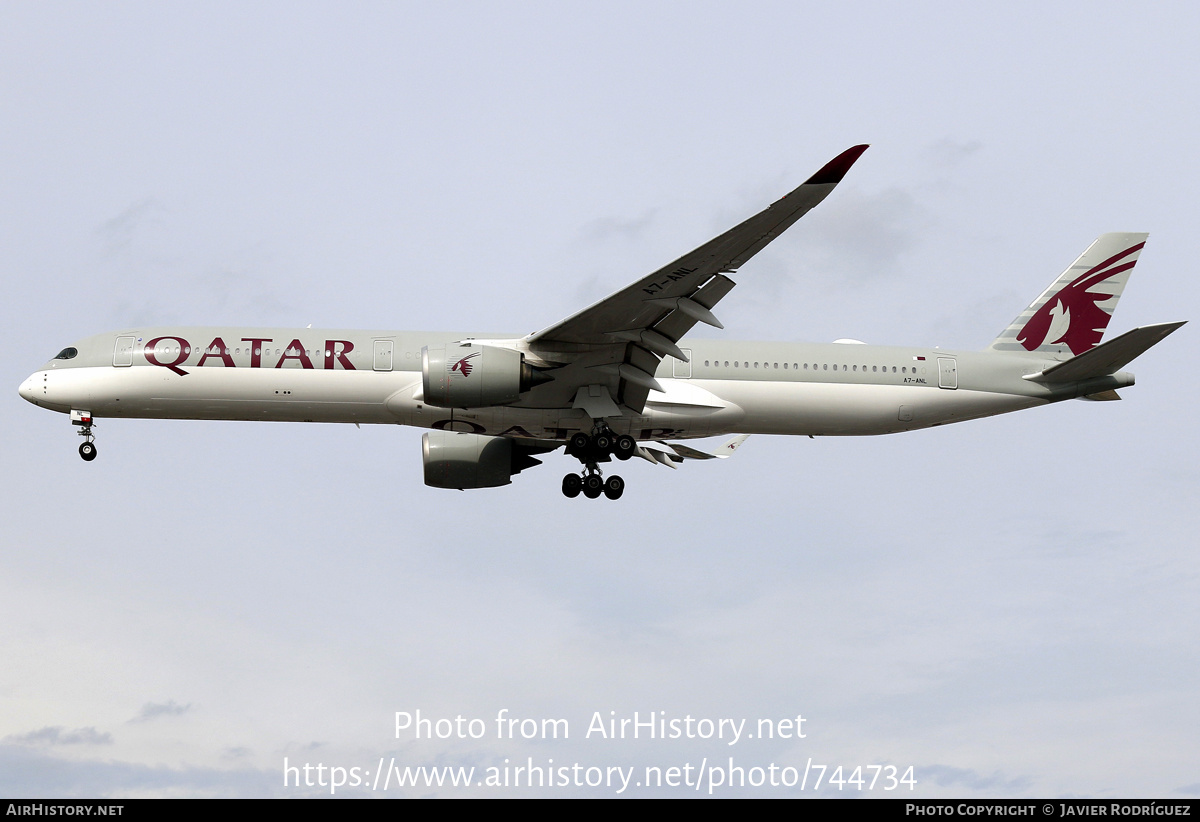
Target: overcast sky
{"x":1009,"y":605}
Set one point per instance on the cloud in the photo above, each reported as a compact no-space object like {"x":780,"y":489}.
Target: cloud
{"x":948,"y":777}
{"x":975,"y":325}
{"x":27,"y":773}
{"x":61,"y":736}
{"x":866,"y":233}
{"x":153,"y":710}
{"x":946,"y":153}
{"x":854,"y":238}
{"x":606,"y":228}
{"x":118,"y":233}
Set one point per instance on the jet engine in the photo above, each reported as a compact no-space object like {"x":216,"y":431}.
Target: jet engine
{"x":457,"y":460}
{"x":474,"y":376}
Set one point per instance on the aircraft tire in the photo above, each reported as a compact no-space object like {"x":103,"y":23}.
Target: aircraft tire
{"x":625,"y":446}
{"x":87,"y":451}
{"x":593,"y":486}
{"x":572,"y":484}
{"x":614,"y":487}
{"x":603,"y":443}
{"x":578,"y":445}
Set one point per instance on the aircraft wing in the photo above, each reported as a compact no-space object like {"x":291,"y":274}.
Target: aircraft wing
{"x":621,"y":339}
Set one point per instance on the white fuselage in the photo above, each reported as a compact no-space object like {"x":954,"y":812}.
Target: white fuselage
{"x":375,"y":377}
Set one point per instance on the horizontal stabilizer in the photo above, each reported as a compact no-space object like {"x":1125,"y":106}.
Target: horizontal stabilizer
{"x":680,"y":452}
{"x":721,"y":453}
{"x":1102,"y":396}
{"x":1107,"y":358}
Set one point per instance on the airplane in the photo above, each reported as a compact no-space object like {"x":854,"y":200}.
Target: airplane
{"x":615,"y":380}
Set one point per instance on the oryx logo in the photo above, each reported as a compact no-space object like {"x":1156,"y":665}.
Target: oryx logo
{"x":462,"y":366}
{"x":1074,"y":315}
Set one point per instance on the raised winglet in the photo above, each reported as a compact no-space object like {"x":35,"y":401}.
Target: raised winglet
{"x":832,"y":172}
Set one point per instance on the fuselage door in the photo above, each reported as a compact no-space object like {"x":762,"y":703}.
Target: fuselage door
{"x":947,"y":372}
{"x":123,"y":352}
{"x":681,"y":370}
{"x":383,"y":355}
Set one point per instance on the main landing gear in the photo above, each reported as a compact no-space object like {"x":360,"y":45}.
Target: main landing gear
{"x":88,"y":449}
{"x":592,"y":485}
{"x":601,"y":446}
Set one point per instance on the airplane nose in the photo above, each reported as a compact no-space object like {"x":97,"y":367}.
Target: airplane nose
{"x":28,"y":389}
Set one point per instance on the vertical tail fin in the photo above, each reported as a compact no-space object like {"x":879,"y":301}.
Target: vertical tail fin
{"x":1072,"y":314}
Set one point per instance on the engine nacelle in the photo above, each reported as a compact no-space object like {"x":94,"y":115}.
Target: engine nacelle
{"x":456,"y":460}
{"x":475,"y":376}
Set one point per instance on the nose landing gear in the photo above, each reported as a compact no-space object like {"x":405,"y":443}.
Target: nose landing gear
{"x":84,"y":420}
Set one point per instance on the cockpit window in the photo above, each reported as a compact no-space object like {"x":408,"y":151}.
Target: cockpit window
{"x":66,"y":354}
